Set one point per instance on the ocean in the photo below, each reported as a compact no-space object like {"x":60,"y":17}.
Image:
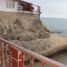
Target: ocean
{"x":56,"y":25}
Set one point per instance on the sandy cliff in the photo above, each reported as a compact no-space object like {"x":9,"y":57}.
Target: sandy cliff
{"x":20,"y":22}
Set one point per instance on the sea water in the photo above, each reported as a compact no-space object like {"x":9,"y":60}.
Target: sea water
{"x":56,"y":25}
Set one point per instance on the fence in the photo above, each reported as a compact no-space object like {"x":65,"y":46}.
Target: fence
{"x":13,"y":55}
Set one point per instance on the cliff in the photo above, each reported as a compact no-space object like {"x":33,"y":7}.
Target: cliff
{"x":27,"y":30}
{"x":20,"y":22}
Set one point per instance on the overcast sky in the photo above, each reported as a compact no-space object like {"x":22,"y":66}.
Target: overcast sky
{"x":52,"y":8}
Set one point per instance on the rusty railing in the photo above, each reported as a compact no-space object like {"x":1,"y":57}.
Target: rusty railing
{"x":13,"y":55}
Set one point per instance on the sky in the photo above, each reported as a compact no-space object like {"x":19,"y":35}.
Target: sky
{"x":52,"y":8}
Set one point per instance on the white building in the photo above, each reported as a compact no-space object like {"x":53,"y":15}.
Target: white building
{"x":8,"y":5}
{"x":18,"y":5}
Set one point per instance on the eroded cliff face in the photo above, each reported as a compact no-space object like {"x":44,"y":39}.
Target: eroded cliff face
{"x":20,"y":22}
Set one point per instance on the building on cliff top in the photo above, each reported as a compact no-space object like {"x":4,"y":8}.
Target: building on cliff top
{"x":27,"y":13}
{"x":17,"y":5}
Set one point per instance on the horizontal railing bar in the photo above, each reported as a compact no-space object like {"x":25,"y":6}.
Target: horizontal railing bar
{"x":29,"y":12}
{"x":35,"y":55}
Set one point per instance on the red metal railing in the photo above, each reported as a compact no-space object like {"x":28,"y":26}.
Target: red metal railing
{"x":13,"y":55}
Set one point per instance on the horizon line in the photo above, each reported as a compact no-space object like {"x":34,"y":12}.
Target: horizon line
{"x":53,"y":17}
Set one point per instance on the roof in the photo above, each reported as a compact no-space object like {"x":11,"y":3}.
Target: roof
{"x":21,"y":2}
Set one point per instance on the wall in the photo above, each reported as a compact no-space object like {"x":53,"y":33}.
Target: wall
{"x":8,"y":5}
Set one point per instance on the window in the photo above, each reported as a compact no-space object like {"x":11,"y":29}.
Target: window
{"x":10,"y":4}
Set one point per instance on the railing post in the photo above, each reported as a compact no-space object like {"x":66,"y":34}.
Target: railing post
{"x":3,"y":53}
{"x":22,"y":56}
{"x":42,"y":64}
{"x":32,"y":62}
{"x":17,"y":58}
{"x":7,"y":55}
{"x":0,"y":54}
